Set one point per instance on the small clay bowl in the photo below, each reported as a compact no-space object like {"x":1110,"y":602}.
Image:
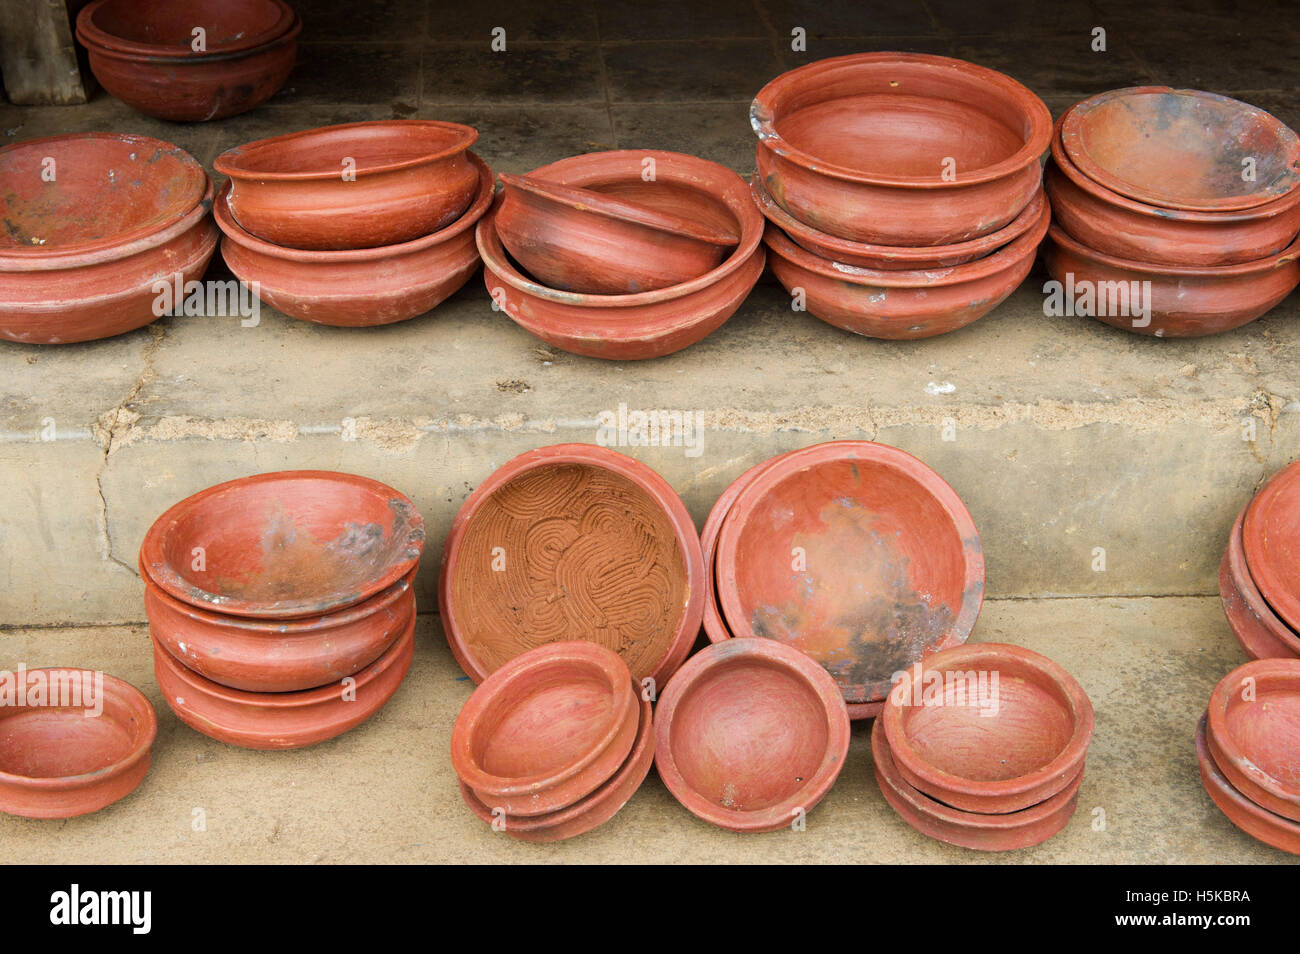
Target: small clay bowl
{"x":166,"y":29}
{"x":354,"y":186}
{"x":986,"y":747}
{"x":855,"y":553}
{"x":1185,"y":301}
{"x":1261,"y":824}
{"x":900,"y":148}
{"x":1005,"y":832}
{"x":284,"y":545}
{"x":1270,"y":537}
{"x":1257,"y":628}
{"x":63,"y":761}
{"x":1181,"y":148}
{"x":282,"y":720}
{"x":1254,"y":740}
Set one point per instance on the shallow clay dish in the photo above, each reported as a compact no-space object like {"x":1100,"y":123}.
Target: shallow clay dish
{"x":1254,"y":733}
{"x":1270,"y":536}
{"x":855,"y":553}
{"x":1257,"y":628}
{"x":63,"y":761}
{"x":984,"y":746}
{"x":406,"y":178}
{"x":1181,"y":148}
{"x":167,"y":29}
{"x":1259,"y":823}
{"x":900,"y":148}
{"x":1006,"y":832}
{"x":750,"y":734}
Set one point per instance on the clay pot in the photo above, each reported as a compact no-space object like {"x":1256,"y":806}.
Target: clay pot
{"x":1181,"y":148}
{"x":546,"y":729}
{"x":1185,"y":302}
{"x":860,"y":146}
{"x":284,"y":545}
{"x":647,"y":324}
{"x":980,"y":746}
{"x":1270,"y":537}
{"x":855,"y":553}
{"x":166,"y":30}
{"x":364,"y":287}
{"x":354,"y":186}
{"x":1005,"y":832}
{"x":572,"y":542}
{"x":1258,"y":630}
{"x":63,"y":761}
{"x":282,"y":720}
{"x":1253,"y":733}
{"x":1259,"y":823}
{"x":904,"y":305}
{"x":750,"y":734}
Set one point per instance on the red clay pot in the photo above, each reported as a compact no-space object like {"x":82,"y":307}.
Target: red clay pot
{"x":410,"y":178}
{"x":59,"y":762}
{"x":855,"y":146}
{"x":364,"y":287}
{"x":1181,"y":148}
{"x":282,"y":720}
{"x":855,"y":553}
{"x":591,"y":545}
{"x":750,"y":734}
{"x":986,"y":748}
{"x":1270,"y":537}
{"x":1259,"y":823}
{"x":166,"y":30}
{"x":714,"y":625}
{"x":1006,"y":832}
{"x":1253,"y":733}
{"x":284,"y":545}
{"x":1258,"y":630}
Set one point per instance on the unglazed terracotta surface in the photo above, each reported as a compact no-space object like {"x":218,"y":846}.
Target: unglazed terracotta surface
{"x":1257,"y":628}
{"x":1259,"y":823}
{"x":1253,"y":733}
{"x":1270,"y":536}
{"x":166,"y":29}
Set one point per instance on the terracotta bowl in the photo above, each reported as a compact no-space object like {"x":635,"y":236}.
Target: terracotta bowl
{"x":1261,"y":824}
{"x":409,"y":178}
{"x":1270,"y":537}
{"x":166,"y":29}
{"x":546,"y":729}
{"x":855,"y":553}
{"x":1181,"y":148}
{"x":647,"y":324}
{"x":1257,"y":628}
{"x":855,"y":146}
{"x":750,"y":733}
{"x":904,"y":305}
{"x":365,"y":287}
{"x":1005,"y":832}
{"x":1254,"y":733}
{"x":284,"y":545}
{"x":1186,"y":302}
{"x":271,"y":656}
{"x":984,"y":746}
{"x":282,"y":720}
{"x":63,"y":761}
{"x":572,"y":542}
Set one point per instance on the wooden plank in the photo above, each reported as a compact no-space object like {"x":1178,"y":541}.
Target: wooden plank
{"x":38,"y":57}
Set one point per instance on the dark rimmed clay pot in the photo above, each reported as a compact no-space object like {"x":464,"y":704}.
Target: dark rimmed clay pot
{"x":750,"y":735}
{"x":855,"y":146}
{"x":904,"y":304}
{"x":648,"y":324}
{"x":60,"y":762}
{"x":1258,"y":630}
{"x":1005,"y":832}
{"x":166,"y":29}
{"x":408,"y":178}
{"x":592,"y":545}
{"x":1261,"y":824}
{"x":282,"y":720}
{"x":362,"y":287}
{"x":855,"y":553}
{"x":1181,"y":148}
{"x":284,"y":545}
{"x":1270,"y":537}
{"x":1186,"y":302}
{"x":960,"y":739}
{"x":1253,"y":733}
{"x":586,"y":813}
{"x":546,"y":729}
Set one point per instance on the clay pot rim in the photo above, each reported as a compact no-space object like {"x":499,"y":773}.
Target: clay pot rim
{"x":1261,"y":815}
{"x":1070,"y":132}
{"x":125,"y":693}
{"x":88,"y":32}
{"x":208,"y":59}
{"x":763,"y":121}
{"x":153,"y":552}
{"x":1254,"y":533}
{"x":809,"y":673}
{"x":1287,"y":256}
{"x":1221,"y":698}
{"x":1241,"y":580}
{"x":592,"y":455}
{"x":992,"y":656}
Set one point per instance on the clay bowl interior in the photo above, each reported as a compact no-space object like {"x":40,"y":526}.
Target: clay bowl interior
{"x":1259,"y":823}
{"x":1255,"y":742}
{"x":1270,"y":536}
{"x":166,"y":29}
{"x":1259,"y":631}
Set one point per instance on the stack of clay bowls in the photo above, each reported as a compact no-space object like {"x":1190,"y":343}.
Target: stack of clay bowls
{"x":280,"y":605}
{"x":554,"y":743}
{"x":1189,"y":195}
{"x":622,"y":255}
{"x":983,"y":746}
{"x":903,"y":191}
{"x":1246,"y":744}
{"x":92,"y":223}
{"x":190,"y":60}
{"x":355,"y":225}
